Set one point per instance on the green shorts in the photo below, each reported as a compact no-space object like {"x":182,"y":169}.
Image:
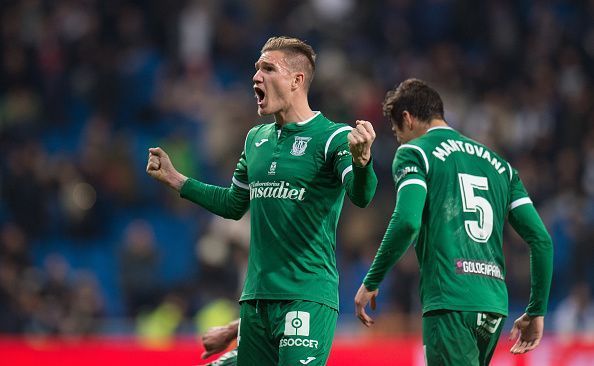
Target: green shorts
{"x":460,"y":337}
{"x":283,"y":333}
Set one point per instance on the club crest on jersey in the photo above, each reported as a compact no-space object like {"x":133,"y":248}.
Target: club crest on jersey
{"x":299,"y":145}
{"x":272,"y":169}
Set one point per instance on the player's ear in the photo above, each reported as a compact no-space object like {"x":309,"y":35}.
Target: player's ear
{"x":407,"y":120}
{"x":298,"y":80}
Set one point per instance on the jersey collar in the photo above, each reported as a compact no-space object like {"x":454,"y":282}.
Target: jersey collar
{"x":316,"y":113}
{"x":303,"y":124}
{"x":440,"y":128}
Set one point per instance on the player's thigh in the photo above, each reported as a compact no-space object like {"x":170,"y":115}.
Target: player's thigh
{"x":254,"y":344}
{"x":488,"y":329}
{"x":305,"y":331}
{"x":449,"y":339}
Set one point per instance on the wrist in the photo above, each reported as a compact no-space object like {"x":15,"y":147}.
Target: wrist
{"x":232,"y":330}
{"x":178,"y":181}
{"x":361,"y":163}
{"x":369,"y":287}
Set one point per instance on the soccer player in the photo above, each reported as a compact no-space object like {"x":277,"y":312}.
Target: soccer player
{"x":453,"y":196}
{"x":292,"y":175}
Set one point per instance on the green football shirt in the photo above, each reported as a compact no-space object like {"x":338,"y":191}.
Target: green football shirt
{"x":470,"y":190}
{"x":294,"y":179}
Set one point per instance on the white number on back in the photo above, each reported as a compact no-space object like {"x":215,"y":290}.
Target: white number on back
{"x":481,"y":229}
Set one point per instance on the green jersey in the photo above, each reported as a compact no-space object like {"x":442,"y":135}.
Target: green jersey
{"x":470,"y":190}
{"x":294,"y":179}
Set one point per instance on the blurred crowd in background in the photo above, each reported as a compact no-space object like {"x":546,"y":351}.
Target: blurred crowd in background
{"x":89,"y":244}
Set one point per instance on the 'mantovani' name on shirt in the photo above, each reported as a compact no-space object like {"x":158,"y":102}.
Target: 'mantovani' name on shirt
{"x":450,"y":146}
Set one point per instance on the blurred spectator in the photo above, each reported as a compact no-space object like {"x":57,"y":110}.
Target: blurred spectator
{"x":14,"y":247}
{"x":574,"y":317}
{"x":156,"y":328}
{"x":85,"y":308}
{"x":24,"y":187}
{"x":139,"y":268}
{"x":222,"y":256}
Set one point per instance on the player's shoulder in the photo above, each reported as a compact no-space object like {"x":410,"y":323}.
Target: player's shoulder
{"x":332,"y":134}
{"x":417,"y":150}
{"x":330,"y":130}
{"x":262,"y":127}
{"x":330,"y":127}
{"x":479,"y":145}
{"x":418,"y":146}
{"x":255,"y":131}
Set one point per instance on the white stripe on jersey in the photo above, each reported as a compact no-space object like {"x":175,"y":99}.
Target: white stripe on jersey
{"x":510,"y":172}
{"x":240,"y":184}
{"x":342,"y":129}
{"x":412,"y":181}
{"x":405,"y":146}
{"x":520,"y":202}
{"x":345,"y":172}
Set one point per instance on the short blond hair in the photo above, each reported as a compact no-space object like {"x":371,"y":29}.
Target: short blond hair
{"x":302,"y":55}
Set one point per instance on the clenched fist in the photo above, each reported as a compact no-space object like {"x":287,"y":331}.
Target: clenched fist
{"x":360,"y":139}
{"x":159,"y":166}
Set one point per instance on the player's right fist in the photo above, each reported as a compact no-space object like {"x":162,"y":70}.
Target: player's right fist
{"x":360,"y":139}
{"x":159,"y":166}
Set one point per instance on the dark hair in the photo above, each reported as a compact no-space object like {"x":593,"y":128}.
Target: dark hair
{"x":415,"y":97}
{"x":303,"y":55}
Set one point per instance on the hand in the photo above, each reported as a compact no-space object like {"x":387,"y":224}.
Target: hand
{"x":360,"y":139}
{"x":528,"y":330}
{"x":217,"y":339}
{"x":159,"y":166}
{"x":363,"y":297}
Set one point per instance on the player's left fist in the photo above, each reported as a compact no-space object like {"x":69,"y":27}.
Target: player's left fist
{"x":360,"y":139}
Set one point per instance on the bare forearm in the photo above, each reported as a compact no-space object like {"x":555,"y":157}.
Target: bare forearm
{"x":176,"y":181}
{"x":233,"y":329}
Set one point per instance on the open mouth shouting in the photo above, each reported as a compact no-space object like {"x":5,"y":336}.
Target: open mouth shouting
{"x":260,"y":95}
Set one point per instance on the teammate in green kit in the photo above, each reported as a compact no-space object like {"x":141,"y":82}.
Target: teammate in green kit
{"x":453,"y":196}
{"x":292,"y":175}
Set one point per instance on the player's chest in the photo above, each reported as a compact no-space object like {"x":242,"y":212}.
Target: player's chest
{"x":285,"y":156}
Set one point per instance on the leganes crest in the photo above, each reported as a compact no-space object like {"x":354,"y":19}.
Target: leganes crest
{"x":299,"y":145}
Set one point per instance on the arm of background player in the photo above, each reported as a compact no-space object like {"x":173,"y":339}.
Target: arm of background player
{"x":402,"y":231}
{"x":527,"y":223}
{"x":217,"y":339}
{"x":360,"y":184}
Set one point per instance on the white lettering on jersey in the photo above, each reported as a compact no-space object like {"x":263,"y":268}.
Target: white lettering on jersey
{"x":447,"y":147}
{"x":276,"y":189}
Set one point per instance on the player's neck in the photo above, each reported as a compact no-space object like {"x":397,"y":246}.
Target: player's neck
{"x":436,"y":123}
{"x":297,"y":112}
